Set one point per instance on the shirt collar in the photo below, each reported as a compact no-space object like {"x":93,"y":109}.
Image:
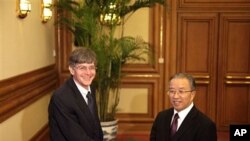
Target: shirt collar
{"x":82,"y":90}
{"x":182,"y":114}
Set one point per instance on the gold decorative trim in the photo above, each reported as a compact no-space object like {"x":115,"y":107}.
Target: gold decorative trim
{"x":201,"y":76}
{"x":202,"y":82}
{"x":143,"y":75}
{"x":237,"y":77}
{"x":238,"y":82}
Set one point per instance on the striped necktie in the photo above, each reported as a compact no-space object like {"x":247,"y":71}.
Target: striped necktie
{"x":174,"y":124}
{"x":91,"y":103}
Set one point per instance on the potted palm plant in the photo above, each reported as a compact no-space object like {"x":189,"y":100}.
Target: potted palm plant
{"x":93,"y":24}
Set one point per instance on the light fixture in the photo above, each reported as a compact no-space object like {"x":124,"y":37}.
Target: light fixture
{"x":110,"y":14}
{"x":46,"y":10}
{"x":23,"y":8}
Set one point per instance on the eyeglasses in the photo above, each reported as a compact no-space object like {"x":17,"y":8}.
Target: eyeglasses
{"x":180,"y":92}
{"x":85,"y":68}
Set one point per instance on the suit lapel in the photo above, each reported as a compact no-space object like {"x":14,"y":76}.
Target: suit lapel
{"x":94,"y":96}
{"x":82,"y":103}
{"x":166,"y":125}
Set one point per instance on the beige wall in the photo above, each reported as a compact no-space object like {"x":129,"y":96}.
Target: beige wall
{"x":25,"y":45}
{"x":26,"y":123}
{"x":137,"y":25}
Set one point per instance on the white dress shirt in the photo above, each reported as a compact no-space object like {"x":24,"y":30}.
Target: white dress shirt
{"x":182,"y":114}
{"x":83,"y":91}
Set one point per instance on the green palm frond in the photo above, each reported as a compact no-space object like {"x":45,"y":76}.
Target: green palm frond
{"x":125,"y":8}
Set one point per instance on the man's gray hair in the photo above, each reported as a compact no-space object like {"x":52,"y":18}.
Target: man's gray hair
{"x":189,"y":77}
{"x":82,"y":55}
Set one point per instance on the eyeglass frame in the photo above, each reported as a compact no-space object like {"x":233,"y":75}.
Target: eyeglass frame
{"x":179,"y":92}
{"x":85,"y":68}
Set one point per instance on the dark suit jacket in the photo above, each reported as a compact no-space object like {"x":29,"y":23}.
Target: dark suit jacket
{"x":70,"y":118}
{"x":195,"y":127}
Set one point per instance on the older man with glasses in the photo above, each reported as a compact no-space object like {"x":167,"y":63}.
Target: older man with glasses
{"x":182,"y":122}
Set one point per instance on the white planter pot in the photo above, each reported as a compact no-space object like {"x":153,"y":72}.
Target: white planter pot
{"x":109,"y":129}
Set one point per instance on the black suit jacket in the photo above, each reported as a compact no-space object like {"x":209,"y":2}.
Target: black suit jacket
{"x":70,"y":118}
{"x":195,"y":127}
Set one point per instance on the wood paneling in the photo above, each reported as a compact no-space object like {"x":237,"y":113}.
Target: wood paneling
{"x":234,"y":70}
{"x":42,"y":134}
{"x":213,"y":45}
{"x":64,"y":44}
{"x":196,"y":54}
{"x":197,"y":43}
{"x":213,"y":4}
{"x":18,"y":92}
{"x":201,"y":98}
{"x":151,"y":86}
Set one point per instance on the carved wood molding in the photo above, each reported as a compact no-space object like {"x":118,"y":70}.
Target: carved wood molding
{"x":18,"y":92}
{"x":42,"y":134}
{"x":215,"y":4}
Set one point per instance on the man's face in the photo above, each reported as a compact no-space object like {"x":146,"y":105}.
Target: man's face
{"x":83,"y":73}
{"x":180,"y":93}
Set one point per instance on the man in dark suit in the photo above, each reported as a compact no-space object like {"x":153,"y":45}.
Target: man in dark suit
{"x":191,"y":124}
{"x":70,"y":118}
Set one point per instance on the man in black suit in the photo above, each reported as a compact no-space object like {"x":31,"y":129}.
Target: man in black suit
{"x":70,"y":118}
{"x":192,"y":125}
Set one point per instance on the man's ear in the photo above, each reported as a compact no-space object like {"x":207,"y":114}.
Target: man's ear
{"x":71,"y":70}
{"x":194,"y":92}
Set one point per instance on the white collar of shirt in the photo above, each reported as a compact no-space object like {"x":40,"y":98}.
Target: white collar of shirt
{"x":83,"y":91}
{"x":182,"y":114}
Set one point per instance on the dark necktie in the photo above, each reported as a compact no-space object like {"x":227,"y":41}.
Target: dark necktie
{"x":174,"y":124}
{"x":91,"y":103}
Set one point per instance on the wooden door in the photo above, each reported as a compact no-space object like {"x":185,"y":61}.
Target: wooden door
{"x":197,"y":55}
{"x":213,"y":44}
{"x":234,"y":70}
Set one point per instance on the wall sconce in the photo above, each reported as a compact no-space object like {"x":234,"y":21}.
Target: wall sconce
{"x":23,"y":8}
{"x":46,"y":10}
{"x":110,"y":15}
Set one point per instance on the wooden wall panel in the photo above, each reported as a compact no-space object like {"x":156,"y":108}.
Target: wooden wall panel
{"x":234,"y":70}
{"x":197,"y":53}
{"x":201,"y":97}
{"x":18,"y":92}
{"x":234,"y":108}
{"x":134,"y":122}
{"x":42,"y":135}
{"x":212,"y":4}
{"x":197,"y":43}
{"x":237,"y":45}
